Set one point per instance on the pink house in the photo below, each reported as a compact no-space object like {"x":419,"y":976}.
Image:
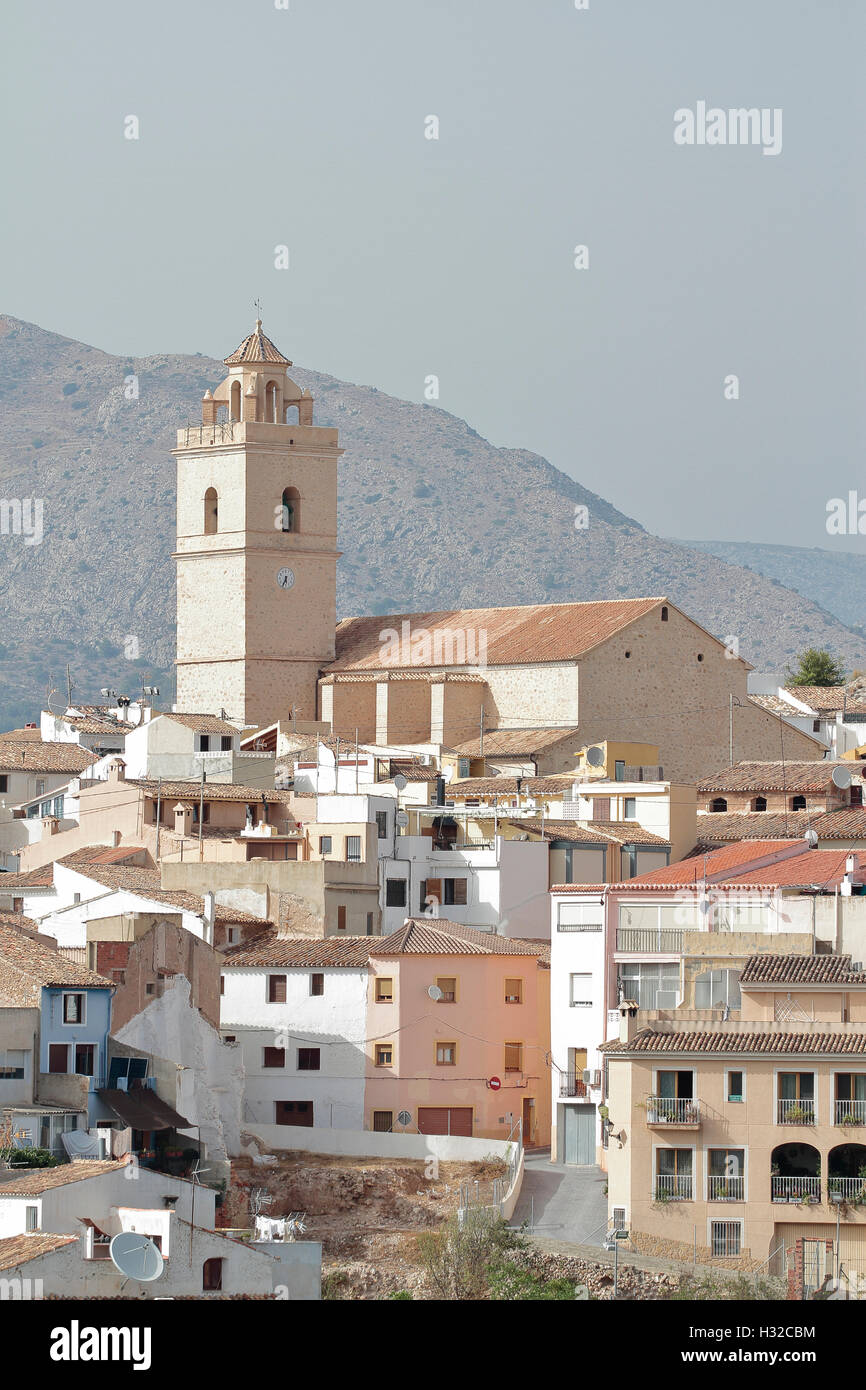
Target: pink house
{"x":458,"y":1033}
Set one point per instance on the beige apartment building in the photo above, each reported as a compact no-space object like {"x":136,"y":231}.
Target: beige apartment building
{"x":736,"y":1133}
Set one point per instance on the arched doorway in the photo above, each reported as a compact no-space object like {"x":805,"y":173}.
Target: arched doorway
{"x":846,"y":1172}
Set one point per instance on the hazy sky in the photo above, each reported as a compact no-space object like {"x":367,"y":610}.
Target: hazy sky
{"x":262,"y":127}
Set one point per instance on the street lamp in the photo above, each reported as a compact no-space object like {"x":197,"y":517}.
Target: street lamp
{"x":837,"y":1200}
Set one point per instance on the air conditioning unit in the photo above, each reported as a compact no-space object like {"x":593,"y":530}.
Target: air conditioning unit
{"x":596,"y":1080}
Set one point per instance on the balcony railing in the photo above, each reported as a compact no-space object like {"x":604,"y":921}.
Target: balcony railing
{"x":794,"y":1189}
{"x":666,"y":941}
{"x":665,"y":1110}
{"x":572,"y":1085}
{"x":722,"y":1189}
{"x":673,"y":1187}
{"x":852,"y":1189}
{"x":850,"y":1112}
{"x":795,"y":1112}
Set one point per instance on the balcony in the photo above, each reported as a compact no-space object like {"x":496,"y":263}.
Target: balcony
{"x":673,"y":1113}
{"x":850,"y":1113}
{"x":785,"y":1189}
{"x":851,"y":1190}
{"x":722,"y":1189}
{"x":665,"y":941}
{"x":795,"y":1112}
{"x":572,"y":1085}
{"x":673,"y":1187}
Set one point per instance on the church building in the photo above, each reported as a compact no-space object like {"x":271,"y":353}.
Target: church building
{"x":258,"y":638}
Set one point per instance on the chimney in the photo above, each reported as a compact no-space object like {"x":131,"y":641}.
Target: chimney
{"x":117,"y":770}
{"x":627,"y":1020}
{"x":183,"y":819}
{"x":50,"y":826}
{"x":208,"y":917}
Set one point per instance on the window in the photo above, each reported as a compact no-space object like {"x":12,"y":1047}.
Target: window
{"x":601,"y":808}
{"x":718,"y":804}
{"x":618,"y":1218}
{"x":759,"y":803}
{"x":58,"y":1059}
{"x":274,"y":1057}
{"x":664,"y":612}
{"x":384,"y":989}
{"x":581,"y":991}
{"x":816,"y":726}
{"x":430,"y":895}
{"x":370,"y":930}
{"x":211,"y":512}
{"x":513,"y":1056}
{"x":455,"y":891}
{"x":726,"y":1175}
{"x":446,"y":1054}
{"x":651,"y":986}
{"x":735,"y":1089}
{"x":4,"y":782}
{"x":73,"y":1008}
{"x":222,"y":983}
{"x":57,"y":807}
{"x":204,"y":743}
{"x":463,"y":767}
{"x":628,"y":862}
{"x":324,"y":844}
{"x":212,"y":1276}
{"x":725,"y":1237}
{"x":85,"y":1054}
{"x":514,"y":991}
{"x":226,"y":742}
{"x":317,"y":983}
{"x":718,"y":989}
{"x":31,"y":1218}
{"x":341,"y":919}
{"x":294,"y":1112}
{"x":291,"y":510}
{"x":12,"y":1066}
{"x":381,"y":824}
{"x":383,"y":1121}
{"x":276,"y":989}
{"x":700,"y":656}
{"x":630,"y":808}
{"x":856,"y":796}
{"x":619,"y":770}
{"x":384,"y":1055}
{"x":796,"y":1098}
{"x":448,"y":986}
{"x":395,"y":892}
{"x":233,"y":935}
{"x":309,"y":1059}
{"x":798,"y":803}
{"x":673,"y":1179}
{"x":353,"y":849}
{"x":40,"y":788}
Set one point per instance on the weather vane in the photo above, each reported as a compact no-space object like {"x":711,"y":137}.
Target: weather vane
{"x":258,"y":307}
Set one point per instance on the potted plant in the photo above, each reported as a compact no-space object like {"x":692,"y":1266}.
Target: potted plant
{"x":849,"y":1118}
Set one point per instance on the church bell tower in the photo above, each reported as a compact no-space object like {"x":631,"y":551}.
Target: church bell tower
{"x":256,"y":544}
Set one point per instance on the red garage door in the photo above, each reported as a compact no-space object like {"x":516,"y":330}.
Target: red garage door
{"x":446,"y":1120}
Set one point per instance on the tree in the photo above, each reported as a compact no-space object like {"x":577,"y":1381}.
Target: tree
{"x":816,"y":667}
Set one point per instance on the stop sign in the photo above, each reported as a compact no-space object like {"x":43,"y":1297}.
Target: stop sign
{"x":494,"y":1083}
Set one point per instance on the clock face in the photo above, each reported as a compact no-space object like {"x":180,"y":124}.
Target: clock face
{"x":285,"y":578}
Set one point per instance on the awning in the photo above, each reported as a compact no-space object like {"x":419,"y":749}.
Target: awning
{"x":143,"y":1109}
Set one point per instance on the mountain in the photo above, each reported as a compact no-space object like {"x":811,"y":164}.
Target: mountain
{"x":432,"y":516}
{"x":834,"y":579}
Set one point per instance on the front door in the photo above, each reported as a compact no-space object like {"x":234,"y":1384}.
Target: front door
{"x":528,"y":1120}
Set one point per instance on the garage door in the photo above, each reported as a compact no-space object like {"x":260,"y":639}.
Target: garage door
{"x":446,"y":1120}
{"x":578,"y":1130}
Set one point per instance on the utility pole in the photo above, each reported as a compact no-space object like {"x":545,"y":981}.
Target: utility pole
{"x":201,"y":817}
{"x":481,"y":745}
{"x":731,"y":730}
{"x":356,"y":762}
{"x":68,"y":687}
{"x":158,"y":813}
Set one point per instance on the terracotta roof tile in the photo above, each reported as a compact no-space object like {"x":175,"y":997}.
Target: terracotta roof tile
{"x":759,"y":1043}
{"x":801,"y":970}
{"x":557,"y":784}
{"x":812,"y":776}
{"x":296,"y":951}
{"x":434,"y":936}
{"x":848,"y":823}
{"x":29,"y":965}
{"x":529,"y":635}
{"x":22,"y":755}
{"x":515,"y":742}
{"x":213,"y":791}
{"x":147,"y":883}
{"x":17,"y":1250}
{"x":45,"y":1179}
{"x":201,"y":723}
{"x":256,"y":347}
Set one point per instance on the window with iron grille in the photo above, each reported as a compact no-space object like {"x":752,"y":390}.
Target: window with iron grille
{"x":381,"y":824}
{"x":395,"y":892}
{"x":618,"y":1218}
{"x":353,"y":849}
{"x":726,"y":1238}
{"x":309,"y":1059}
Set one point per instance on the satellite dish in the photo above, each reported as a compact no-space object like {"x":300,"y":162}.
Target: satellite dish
{"x":841,"y":776}
{"x":400,"y":782}
{"x":435,"y":992}
{"x":448,"y":773}
{"x":136,"y":1256}
{"x":56,"y":703}
{"x":811,"y":837}
{"x":327,"y":757}
{"x":404,"y":1118}
{"x":595,"y":756}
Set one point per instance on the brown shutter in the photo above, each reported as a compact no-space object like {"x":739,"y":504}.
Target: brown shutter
{"x":460,"y":890}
